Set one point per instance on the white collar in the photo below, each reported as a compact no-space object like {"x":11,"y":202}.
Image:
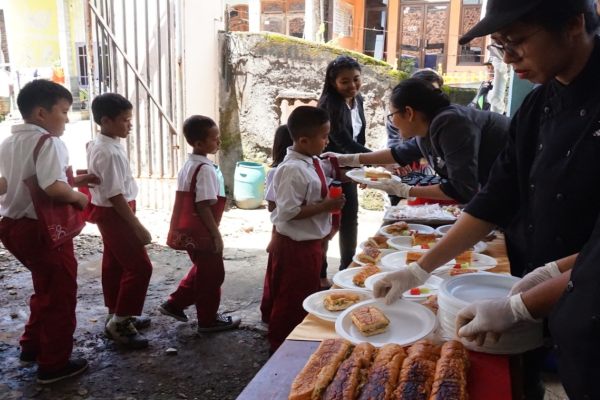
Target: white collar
{"x":28,"y":127}
{"x":116,"y":141}
{"x":294,"y":155}
{"x":200,"y":158}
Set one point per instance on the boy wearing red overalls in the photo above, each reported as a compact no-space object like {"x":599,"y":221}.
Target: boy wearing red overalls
{"x":48,"y":335}
{"x":202,"y":285}
{"x":302,"y":221}
{"x":126,"y":268}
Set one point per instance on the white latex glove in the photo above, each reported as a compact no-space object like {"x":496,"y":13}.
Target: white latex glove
{"x":394,"y":284}
{"x":492,"y":317}
{"x":344,"y":160}
{"x":535,"y":277}
{"x":391,"y":186}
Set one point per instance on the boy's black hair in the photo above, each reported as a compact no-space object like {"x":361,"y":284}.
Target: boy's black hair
{"x":281,"y":142}
{"x":41,"y":93}
{"x":196,"y":127}
{"x":304,"y":120}
{"x":109,"y":105}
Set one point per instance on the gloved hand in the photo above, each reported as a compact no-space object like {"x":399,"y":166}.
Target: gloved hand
{"x":394,"y":284}
{"x":391,"y":186}
{"x":344,"y":160}
{"x":535,"y":277}
{"x":492,"y":317}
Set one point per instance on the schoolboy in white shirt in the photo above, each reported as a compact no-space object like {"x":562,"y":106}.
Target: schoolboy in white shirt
{"x":302,"y":221}
{"x":48,"y":335}
{"x":126,"y":268}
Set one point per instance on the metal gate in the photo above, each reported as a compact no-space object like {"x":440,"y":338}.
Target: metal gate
{"x":134,"y":49}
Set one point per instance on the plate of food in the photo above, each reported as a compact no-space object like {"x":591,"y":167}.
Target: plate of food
{"x":401,"y":242}
{"x":469,"y":261}
{"x":369,"y":175}
{"x":403,"y":322}
{"x":370,"y":255}
{"x":328,"y":304}
{"x":378,"y":242}
{"x":424,"y":214}
{"x":354,"y":278}
{"x":427,"y":289}
{"x":404,"y":229}
{"x":400,"y":259}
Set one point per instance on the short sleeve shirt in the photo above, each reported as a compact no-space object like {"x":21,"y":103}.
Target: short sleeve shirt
{"x":207,"y":183}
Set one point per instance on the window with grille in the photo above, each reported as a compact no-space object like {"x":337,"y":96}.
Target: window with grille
{"x":472,"y":53}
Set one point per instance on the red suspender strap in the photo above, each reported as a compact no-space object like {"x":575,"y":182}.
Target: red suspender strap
{"x":38,"y":146}
{"x":195,"y":178}
{"x":336,"y":168}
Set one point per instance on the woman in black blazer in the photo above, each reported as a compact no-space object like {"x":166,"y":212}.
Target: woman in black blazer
{"x":342,"y":99}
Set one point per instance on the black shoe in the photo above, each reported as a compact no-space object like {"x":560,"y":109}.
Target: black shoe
{"x":222,"y":323}
{"x":167,"y":308}
{"x":140,"y":322}
{"x":73,"y":368}
{"x":125,"y":333}
{"x":27,"y":357}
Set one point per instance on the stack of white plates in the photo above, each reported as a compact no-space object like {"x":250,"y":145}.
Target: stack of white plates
{"x":460,"y":291}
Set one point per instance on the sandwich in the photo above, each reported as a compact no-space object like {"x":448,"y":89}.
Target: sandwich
{"x":319,"y":370}
{"x":465,"y":257}
{"x":462,"y":271}
{"x":370,"y":320}
{"x":340,"y":301}
{"x":352,"y":374}
{"x":364,"y":273}
{"x":369,"y":255}
{"x":424,"y":238}
{"x":378,"y":242}
{"x":398,"y":229}
{"x":413,"y":256}
{"x":377,"y":173}
{"x":384,"y":372}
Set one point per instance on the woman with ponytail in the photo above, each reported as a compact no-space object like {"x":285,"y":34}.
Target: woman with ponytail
{"x":460,"y":143}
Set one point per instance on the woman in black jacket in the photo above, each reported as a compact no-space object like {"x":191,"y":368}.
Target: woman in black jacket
{"x":342,"y":100}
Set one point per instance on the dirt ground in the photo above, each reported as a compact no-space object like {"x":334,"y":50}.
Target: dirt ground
{"x":206,"y":367}
{"x":211,"y":366}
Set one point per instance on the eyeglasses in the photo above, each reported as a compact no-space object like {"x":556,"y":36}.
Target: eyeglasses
{"x":512,"y":47}
{"x":390,"y":117}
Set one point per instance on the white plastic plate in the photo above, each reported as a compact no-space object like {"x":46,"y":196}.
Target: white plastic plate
{"x":314,"y":303}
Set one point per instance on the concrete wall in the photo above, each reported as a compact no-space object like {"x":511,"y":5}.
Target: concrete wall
{"x":261,"y":73}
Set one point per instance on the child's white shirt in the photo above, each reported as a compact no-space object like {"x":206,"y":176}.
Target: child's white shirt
{"x":207,"y":183}
{"x":270,"y":192}
{"x":107,"y":159}
{"x":296,"y":183}
{"x":16,"y":164}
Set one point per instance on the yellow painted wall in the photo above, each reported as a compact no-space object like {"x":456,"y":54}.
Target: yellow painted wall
{"x":32,"y":31}
{"x":354,"y":42}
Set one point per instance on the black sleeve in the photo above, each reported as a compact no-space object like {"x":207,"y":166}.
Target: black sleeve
{"x":342,"y":139}
{"x":458,"y":139}
{"x":498,"y":201}
{"x":407,"y":152}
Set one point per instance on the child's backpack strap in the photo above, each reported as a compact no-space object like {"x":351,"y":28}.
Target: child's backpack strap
{"x":195,"y":178}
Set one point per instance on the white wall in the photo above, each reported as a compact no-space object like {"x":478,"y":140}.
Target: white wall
{"x":201,"y":22}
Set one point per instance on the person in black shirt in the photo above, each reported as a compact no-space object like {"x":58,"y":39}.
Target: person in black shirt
{"x":544,"y":188}
{"x":341,"y":98}
{"x":460,"y":143}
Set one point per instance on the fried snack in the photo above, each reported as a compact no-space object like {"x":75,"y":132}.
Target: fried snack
{"x":319,"y":369}
{"x":416,"y":379}
{"x":424,"y":349}
{"x":378,"y":242}
{"x":465,"y":257}
{"x":377,"y":173}
{"x":340,"y":301}
{"x":451,"y":369}
{"x":412,"y":256}
{"x":424,"y":238}
{"x":364,"y":273}
{"x":432,"y":303}
{"x":370,"y":255}
{"x":370,"y":320}
{"x":398,"y":229}
{"x":383,"y":374}
{"x":448,"y":390}
{"x":351,"y":375}
{"x":456,"y":350}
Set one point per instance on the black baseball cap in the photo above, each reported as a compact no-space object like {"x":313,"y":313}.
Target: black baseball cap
{"x":501,"y":13}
